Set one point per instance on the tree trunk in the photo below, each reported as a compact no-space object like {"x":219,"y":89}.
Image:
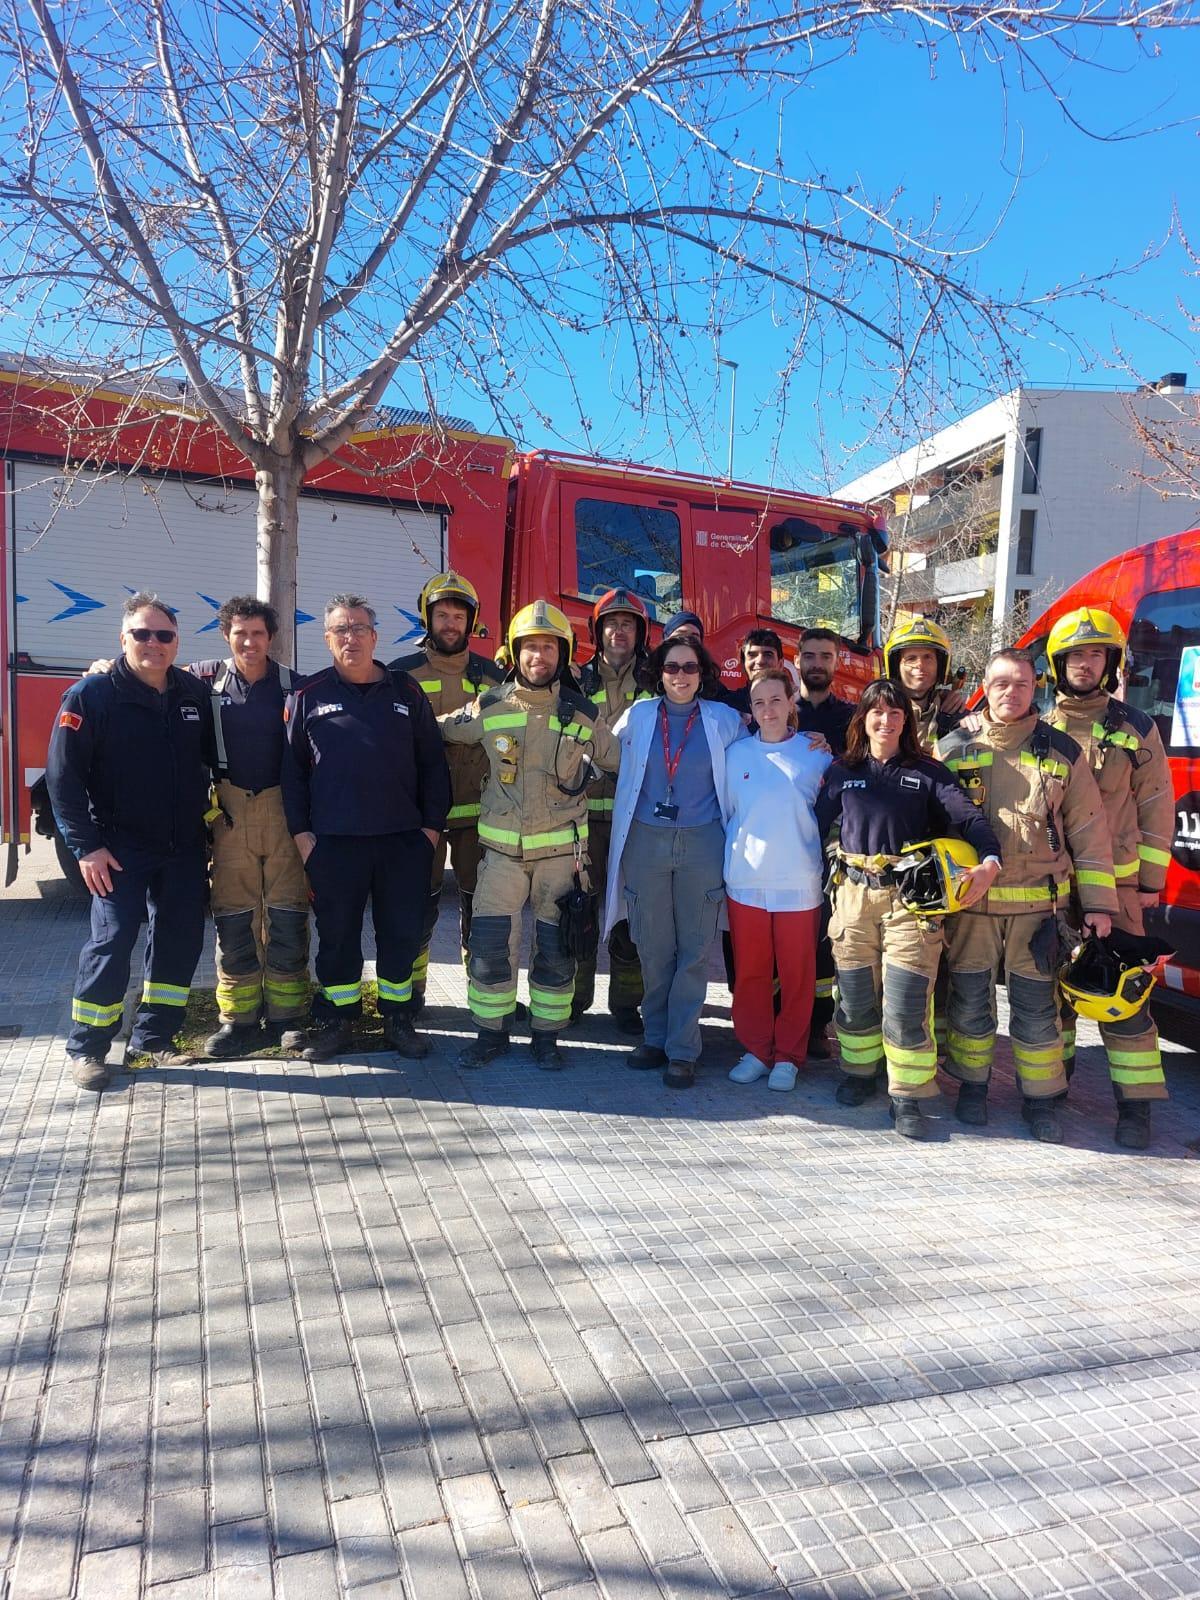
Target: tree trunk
{"x":279,"y":546}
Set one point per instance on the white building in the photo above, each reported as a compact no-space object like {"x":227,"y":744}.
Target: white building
{"x":1008,"y":506}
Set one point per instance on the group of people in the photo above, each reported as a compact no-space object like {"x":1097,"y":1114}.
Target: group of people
{"x":896,"y":854}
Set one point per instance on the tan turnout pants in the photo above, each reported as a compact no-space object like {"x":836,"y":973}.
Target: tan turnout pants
{"x":463,"y":848}
{"x":1134,"y":1058}
{"x":981,"y":946}
{"x":886,"y":961}
{"x":260,"y":908}
{"x":494,"y":956}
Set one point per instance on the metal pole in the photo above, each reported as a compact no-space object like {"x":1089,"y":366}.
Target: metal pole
{"x":733,"y":366}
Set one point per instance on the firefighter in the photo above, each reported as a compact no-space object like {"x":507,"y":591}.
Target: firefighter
{"x":620,"y":628}
{"x":452,"y":675}
{"x":820,"y":710}
{"x":259,"y":891}
{"x":366,"y":791}
{"x":542,"y":740}
{"x":128,"y":774}
{"x":1035,"y":786}
{"x":917,"y":656}
{"x":1122,"y":746}
{"x":885,"y":794}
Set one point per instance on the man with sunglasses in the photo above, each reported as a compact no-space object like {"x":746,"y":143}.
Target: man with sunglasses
{"x":128,"y":778}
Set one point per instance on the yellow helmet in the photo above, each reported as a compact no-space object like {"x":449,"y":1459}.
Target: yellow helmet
{"x":1110,"y":979}
{"x":540,"y":617}
{"x":449,"y":586}
{"x":931,"y":876}
{"x":918,"y":633}
{"x":1078,"y":630}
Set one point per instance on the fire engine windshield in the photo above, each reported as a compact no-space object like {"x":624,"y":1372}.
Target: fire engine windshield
{"x":816,"y":579}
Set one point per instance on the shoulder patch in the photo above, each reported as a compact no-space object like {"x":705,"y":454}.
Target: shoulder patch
{"x":70,"y":719}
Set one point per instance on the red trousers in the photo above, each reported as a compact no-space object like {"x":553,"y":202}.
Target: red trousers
{"x":764,"y":943}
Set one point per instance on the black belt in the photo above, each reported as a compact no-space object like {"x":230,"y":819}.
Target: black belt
{"x":874,"y":880}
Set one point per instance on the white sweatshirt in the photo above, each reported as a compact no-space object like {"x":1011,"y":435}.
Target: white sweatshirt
{"x":772,"y":847}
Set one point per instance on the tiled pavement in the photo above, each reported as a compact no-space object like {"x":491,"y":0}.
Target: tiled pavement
{"x":360,"y":1330}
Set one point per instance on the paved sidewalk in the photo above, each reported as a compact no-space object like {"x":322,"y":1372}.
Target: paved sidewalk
{"x":380,"y":1330}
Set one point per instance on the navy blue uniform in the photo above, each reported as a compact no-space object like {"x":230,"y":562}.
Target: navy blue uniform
{"x":251,"y":722}
{"x":364,"y":771}
{"x":886,"y":805}
{"x":831,"y":718}
{"x":128,"y":770}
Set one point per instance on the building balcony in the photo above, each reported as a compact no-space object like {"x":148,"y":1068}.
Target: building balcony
{"x":974,"y":507}
{"x":949,"y":584}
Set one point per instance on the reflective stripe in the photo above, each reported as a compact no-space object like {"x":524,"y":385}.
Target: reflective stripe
{"x":860,"y":1047}
{"x":164,"y":994}
{"x":93,"y":1016}
{"x":911,"y":1077}
{"x":1125,"y":869}
{"x":601,"y":805}
{"x":1023,"y":1052}
{"x":1101,"y":880}
{"x":571,"y":730}
{"x":490,"y":835}
{"x":972,"y":1052}
{"x":421,"y":964}
{"x":922,"y":1056}
{"x":430,"y":685}
{"x":1033,"y":891}
{"x":971,"y":763}
{"x":546,"y":841}
{"x":472,"y":688}
{"x":238,"y":997}
{"x":1157,"y":858}
{"x":289,"y":988}
{"x":343,"y":994}
{"x":504,"y":719}
{"x":824,"y":988}
{"x":1128,"y":1075}
{"x":398,"y":992}
{"x":1135,"y":1058}
{"x":470,"y":809}
{"x":1127,"y":741}
{"x":1056,"y":769}
{"x":491,"y":1004}
{"x":1037,"y":1074}
{"x":554,"y":1005}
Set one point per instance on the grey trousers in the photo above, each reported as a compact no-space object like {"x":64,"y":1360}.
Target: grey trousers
{"x":674,"y":890}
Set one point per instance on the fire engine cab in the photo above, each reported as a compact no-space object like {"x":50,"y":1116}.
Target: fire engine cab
{"x":106,"y":493}
{"x":1154,"y":593}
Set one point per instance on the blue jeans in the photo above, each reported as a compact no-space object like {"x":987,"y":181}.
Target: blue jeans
{"x":674,"y":889}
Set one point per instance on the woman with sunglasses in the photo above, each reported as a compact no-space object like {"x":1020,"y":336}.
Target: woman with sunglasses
{"x":668,"y":846}
{"x":882,"y":796}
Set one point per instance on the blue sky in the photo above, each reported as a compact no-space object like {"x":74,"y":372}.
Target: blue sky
{"x":957,"y":142}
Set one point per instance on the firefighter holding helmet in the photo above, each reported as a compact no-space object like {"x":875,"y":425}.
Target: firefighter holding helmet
{"x":1034,"y":784}
{"x":451,"y":674}
{"x":917,"y":657}
{"x":620,"y":629}
{"x":1122,"y":746}
{"x":542,"y":741}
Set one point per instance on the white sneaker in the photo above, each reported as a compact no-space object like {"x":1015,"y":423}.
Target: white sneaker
{"x":783,"y":1076}
{"x":749,"y":1069}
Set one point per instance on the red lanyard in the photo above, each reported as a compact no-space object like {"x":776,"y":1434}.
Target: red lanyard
{"x":671,"y":762}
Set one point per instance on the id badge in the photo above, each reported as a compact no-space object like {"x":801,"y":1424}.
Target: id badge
{"x":664,"y":811}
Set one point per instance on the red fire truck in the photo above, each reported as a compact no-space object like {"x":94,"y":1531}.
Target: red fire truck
{"x":104,"y":494}
{"x":1154,"y":593}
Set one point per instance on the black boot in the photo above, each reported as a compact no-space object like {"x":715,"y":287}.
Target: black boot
{"x":546,"y":1053}
{"x":489,"y":1043}
{"x":232,"y":1039}
{"x":335,"y":1039}
{"x":906,"y":1114}
{"x":1045,"y":1124}
{"x":818,"y":1046}
{"x":404,"y":1038}
{"x":646,"y":1058}
{"x":853,"y":1091}
{"x":628,"y":1021}
{"x":971,"y":1106}
{"x":680,"y":1074}
{"x":1133,"y":1124}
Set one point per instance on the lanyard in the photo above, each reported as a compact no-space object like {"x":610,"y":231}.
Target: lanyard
{"x":671,"y":762}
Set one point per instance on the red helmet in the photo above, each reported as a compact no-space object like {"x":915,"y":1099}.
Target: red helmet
{"x":620,"y":600}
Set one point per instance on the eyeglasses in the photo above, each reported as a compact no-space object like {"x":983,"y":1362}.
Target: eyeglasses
{"x":144,"y":635}
{"x":352,"y":630}
{"x":688,"y":668}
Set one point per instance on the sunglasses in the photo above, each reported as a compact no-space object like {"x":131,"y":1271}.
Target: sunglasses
{"x":688,"y":668}
{"x":144,"y":635}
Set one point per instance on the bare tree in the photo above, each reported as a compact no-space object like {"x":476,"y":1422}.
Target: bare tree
{"x":288,"y":199}
{"x":1164,"y":416}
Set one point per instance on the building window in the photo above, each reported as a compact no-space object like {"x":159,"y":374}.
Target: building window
{"x":1163,"y":668}
{"x":621,"y":546}
{"x":1033,"y":460}
{"x":1025,"y":532}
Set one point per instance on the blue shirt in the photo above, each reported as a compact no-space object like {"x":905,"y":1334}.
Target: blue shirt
{"x":693,"y":790}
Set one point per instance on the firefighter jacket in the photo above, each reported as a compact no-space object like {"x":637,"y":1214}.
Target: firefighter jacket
{"x":452,"y":682}
{"x":542,"y":745}
{"x":1034,"y":785}
{"x":884,"y":806}
{"x":363,"y":758}
{"x":932,"y":722}
{"x":1123,"y":748}
{"x":128,"y":763}
{"x":612,"y":693}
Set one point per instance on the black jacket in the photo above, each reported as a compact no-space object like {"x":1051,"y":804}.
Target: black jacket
{"x":128,"y":763}
{"x":885,"y":806}
{"x":831,"y":718}
{"x":363,"y":758}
